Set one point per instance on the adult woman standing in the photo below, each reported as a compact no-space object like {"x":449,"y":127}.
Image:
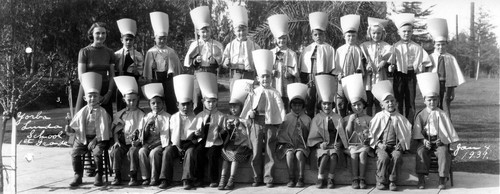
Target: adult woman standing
{"x":98,"y":58}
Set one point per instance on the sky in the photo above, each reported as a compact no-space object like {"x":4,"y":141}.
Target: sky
{"x":448,"y":9}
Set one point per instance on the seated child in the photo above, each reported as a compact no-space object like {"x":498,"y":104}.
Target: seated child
{"x":236,"y":144}
{"x":266,"y":112}
{"x":293,"y":133}
{"x":357,"y":128}
{"x":390,"y":135}
{"x":91,"y":126}
{"x":327,"y":133}
{"x":434,"y":132}
{"x":182,"y":145}
{"x":125,"y":124}
{"x":153,"y":135}
{"x":208,"y":126}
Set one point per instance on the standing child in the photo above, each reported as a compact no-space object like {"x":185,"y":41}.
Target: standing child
{"x":293,"y":133}
{"x":327,"y":133}
{"x":444,"y":64}
{"x":390,"y":135}
{"x":285,"y":69}
{"x":208,"y":126}
{"x":236,"y":144}
{"x":434,"y":132}
{"x":125,"y":126}
{"x":182,"y":146}
{"x":410,"y":59}
{"x":237,"y":55}
{"x":162,"y":62}
{"x":265,"y":110}
{"x":317,"y":58}
{"x":91,"y":126}
{"x":357,"y":128}
{"x":205,"y":53}
{"x":129,"y":60}
{"x":348,"y":57}
{"x":376,"y":53}
{"x":154,"y":134}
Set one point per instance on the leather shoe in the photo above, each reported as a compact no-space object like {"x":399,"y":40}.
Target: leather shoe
{"x":187,"y":185}
{"x":76,"y":181}
{"x":164,"y":184}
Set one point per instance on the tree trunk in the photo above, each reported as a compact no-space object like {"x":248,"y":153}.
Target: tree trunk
{"x":5,"y":119}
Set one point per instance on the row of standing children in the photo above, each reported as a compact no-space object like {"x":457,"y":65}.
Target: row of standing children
{"x":265,"y":113}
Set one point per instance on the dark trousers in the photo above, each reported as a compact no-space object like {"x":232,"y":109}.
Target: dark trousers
{"x":210,"y":156}
{"x":389,"y":163}
{"x":188,"y":163}
{"x":404,"y":86}
{"x":133,"y":157}
{"x":150,"y":162}
{"x":423,"y":160}
{"x":263,"y":135}
{"x":118,"y":156}
{"x":168,"y":89}
{"x":370,"y":102}
{"x":80,"y":149}
{"x":445,"y":97}
{"x":311,"y":96}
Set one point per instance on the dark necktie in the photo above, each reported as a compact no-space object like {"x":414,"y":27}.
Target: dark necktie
{"x":441,"y":68}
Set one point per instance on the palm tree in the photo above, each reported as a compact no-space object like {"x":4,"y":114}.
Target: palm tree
{"x":298,"y":12}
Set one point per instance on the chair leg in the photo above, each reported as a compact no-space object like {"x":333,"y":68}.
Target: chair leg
{"x":451,"y":177}
{"x":106,"y":164}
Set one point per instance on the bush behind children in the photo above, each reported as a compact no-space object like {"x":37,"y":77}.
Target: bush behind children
{"x":329,"y":119}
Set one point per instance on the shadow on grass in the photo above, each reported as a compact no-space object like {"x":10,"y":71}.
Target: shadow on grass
{"x":483,"y":166}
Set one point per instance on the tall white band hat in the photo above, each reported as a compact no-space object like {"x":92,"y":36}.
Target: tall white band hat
{"x":160,"y":23}
{"x":438,"y":28}
{"x":127,"y":26}
{"x":200,"y":17}
{"x":382,"y":89}
{"x":296,"y":90}
{"x":184,"y":87}
{"x":208,"y":84}
{"x":349,"y":23}
{"x":278,"y":24}
{"x":263,"y":60}
{"x":377,"y":22}
{"x":326,"y":85}
{"x":403,"y":19}
{"x":318,"y":20}
{"x":238,"y":15}
{"x":240,"y":90}
{"x":126,"y":84}
{"x":354,"y":87}
{"x":428,"y":83}
{"x":153,"y":90}
{"x":91,"y":82}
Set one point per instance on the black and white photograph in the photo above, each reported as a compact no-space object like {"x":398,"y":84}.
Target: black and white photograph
{"x":249,"y":96}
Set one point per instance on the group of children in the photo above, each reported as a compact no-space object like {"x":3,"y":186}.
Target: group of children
{"x":329,"y":111}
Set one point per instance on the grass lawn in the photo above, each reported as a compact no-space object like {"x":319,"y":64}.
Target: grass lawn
{"x":475,"y":114}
